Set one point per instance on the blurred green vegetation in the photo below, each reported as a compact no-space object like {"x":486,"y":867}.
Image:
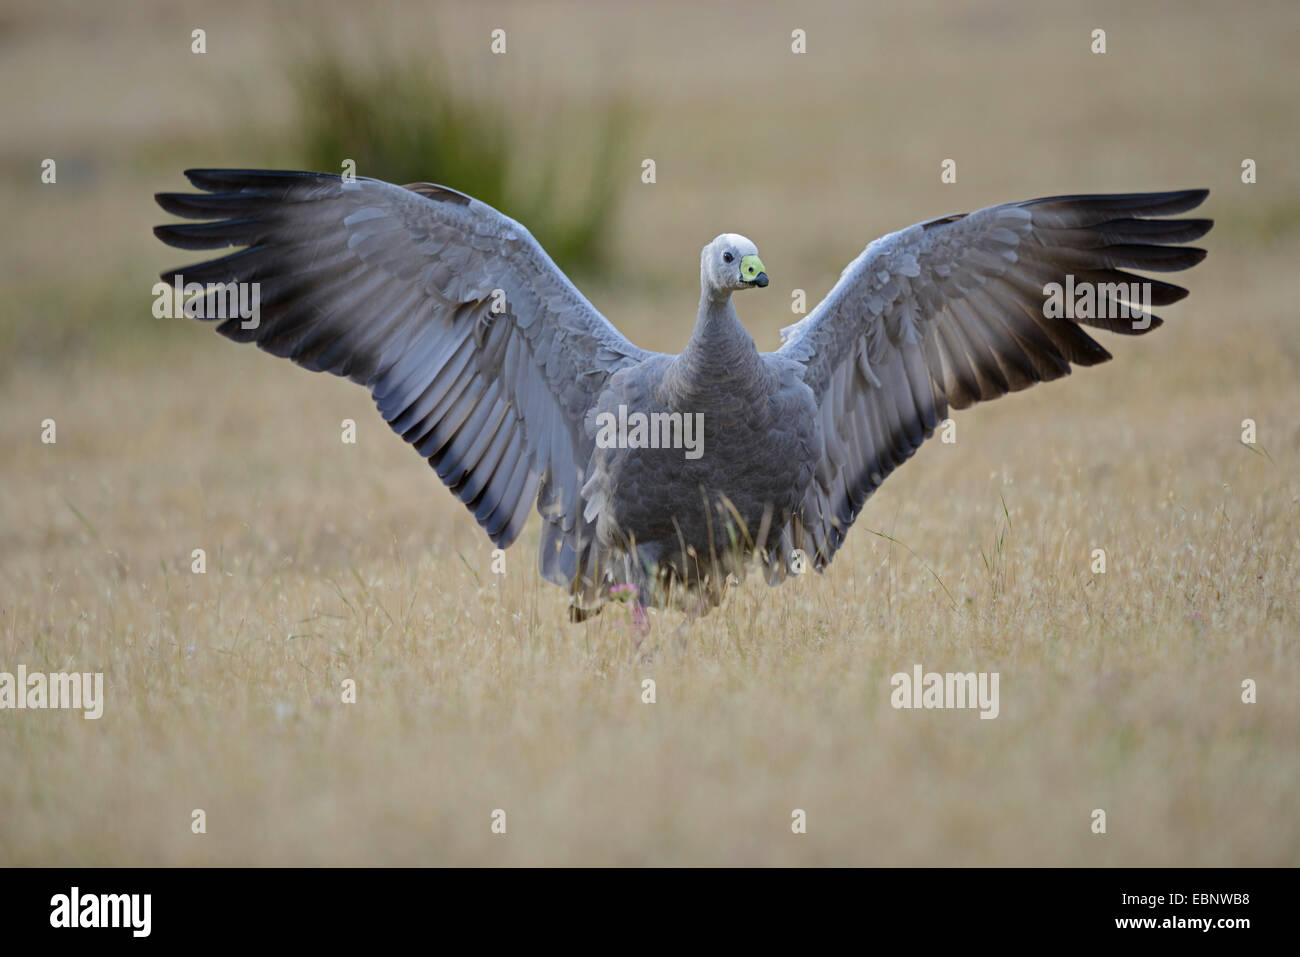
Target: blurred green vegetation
{"x":406,"y":121}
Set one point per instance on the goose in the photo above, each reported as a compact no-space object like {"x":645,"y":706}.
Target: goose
{"x":484,"y":356}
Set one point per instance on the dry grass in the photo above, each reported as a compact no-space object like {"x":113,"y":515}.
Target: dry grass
{"x":326,"y":561}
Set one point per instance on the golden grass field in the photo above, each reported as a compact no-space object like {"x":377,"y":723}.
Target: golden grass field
{"x":326,"y":561}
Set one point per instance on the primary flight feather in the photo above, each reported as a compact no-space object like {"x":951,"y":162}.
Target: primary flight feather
{"x":482,"y":354}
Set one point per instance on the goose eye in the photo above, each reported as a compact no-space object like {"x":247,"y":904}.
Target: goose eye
{"x":727,"y":257}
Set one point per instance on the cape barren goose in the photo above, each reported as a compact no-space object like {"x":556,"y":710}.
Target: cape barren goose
{"x":667,"y":473}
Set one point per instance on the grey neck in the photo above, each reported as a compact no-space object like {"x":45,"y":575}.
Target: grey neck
{"x":720,"y":349}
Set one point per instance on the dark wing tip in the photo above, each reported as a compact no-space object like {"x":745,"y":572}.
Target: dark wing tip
{"x":1135,"y":204}
{"x":215,"y":180}
{"x":165,"y":234}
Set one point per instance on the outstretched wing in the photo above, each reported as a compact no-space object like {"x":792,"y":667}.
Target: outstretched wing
{"x":956,"y":311}
{"x":476,"y":348}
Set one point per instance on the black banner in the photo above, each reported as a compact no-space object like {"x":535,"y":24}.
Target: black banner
{"x":302,"y":906}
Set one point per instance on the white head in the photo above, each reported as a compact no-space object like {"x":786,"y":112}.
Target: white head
{"x":728,"y":264}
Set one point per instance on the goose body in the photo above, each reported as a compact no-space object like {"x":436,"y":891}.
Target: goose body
{"x":698,"y":520}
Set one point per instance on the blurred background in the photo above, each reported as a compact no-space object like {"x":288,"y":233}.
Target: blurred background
{"x":329,"y":561}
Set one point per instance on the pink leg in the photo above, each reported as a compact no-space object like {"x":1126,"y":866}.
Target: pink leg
{"x":636,"y":613}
